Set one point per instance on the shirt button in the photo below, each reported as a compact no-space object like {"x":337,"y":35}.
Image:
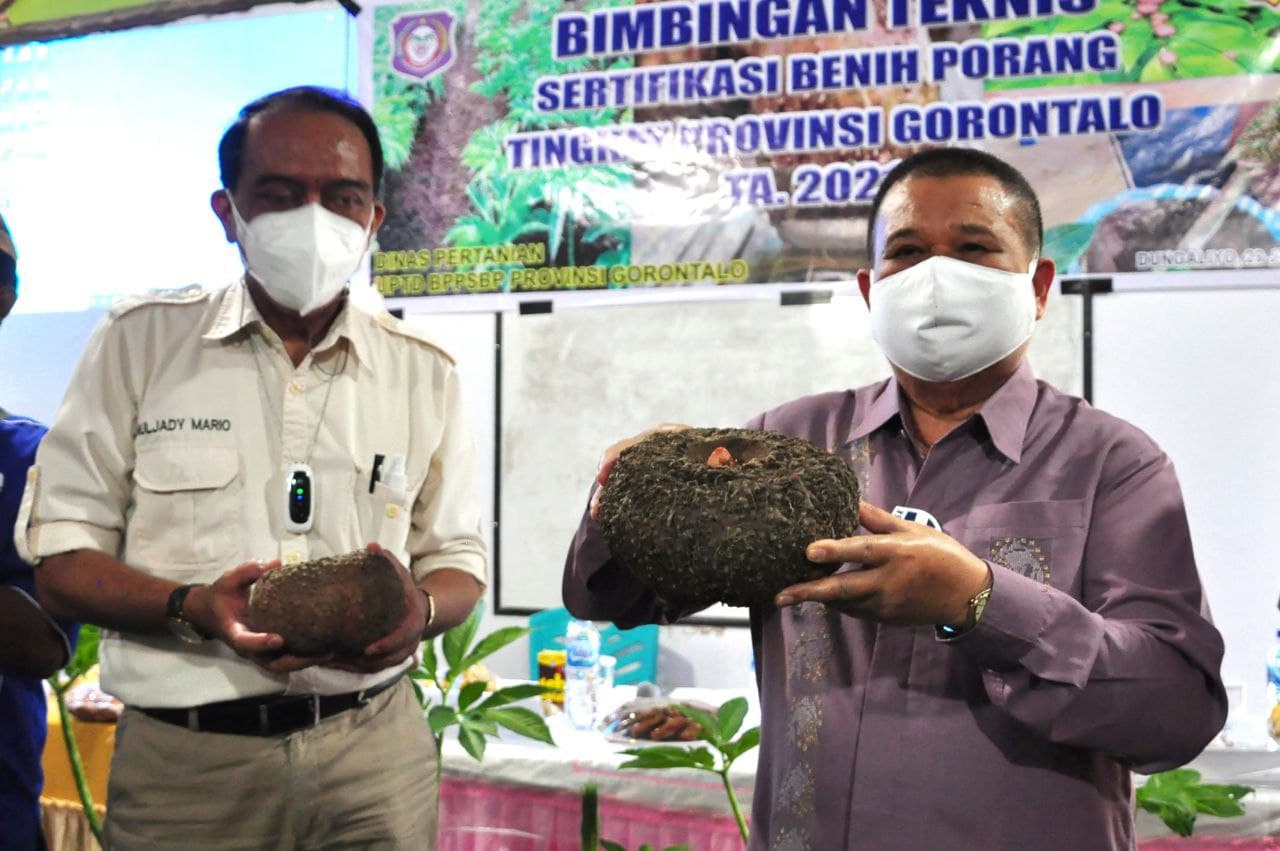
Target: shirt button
{"x":393,"y":511}
{"x":295,"y":388}
{"x":293,"y":558}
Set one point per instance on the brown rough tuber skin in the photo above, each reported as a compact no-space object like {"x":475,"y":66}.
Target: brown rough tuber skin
{"x":331,"y":606}
{"x":706,"y":516}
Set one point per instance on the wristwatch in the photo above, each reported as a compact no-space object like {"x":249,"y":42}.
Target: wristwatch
{"x":179,"y":624}
{"x":977,"y":603}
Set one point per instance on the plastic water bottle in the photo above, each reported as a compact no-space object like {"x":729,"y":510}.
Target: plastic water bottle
{"x":1273,"y":689}
{"x":582,"y":658}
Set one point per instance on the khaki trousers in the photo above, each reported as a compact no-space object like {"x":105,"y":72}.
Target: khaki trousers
{"x":364,"y":778}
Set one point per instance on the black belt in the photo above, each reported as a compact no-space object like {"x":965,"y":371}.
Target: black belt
{"x":266,"y":716}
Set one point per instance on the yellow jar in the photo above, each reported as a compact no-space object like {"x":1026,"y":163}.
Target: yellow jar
{"x":551,"y":678}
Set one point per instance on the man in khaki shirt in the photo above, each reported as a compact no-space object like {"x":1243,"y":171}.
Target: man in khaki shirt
{"x":160,"y":496}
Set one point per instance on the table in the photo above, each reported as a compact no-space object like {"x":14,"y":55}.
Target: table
{"x":526,"y":796}
{"x":537,"y":789}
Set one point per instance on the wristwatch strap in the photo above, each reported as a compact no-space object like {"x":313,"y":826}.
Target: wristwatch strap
{"x":179,"y":623}
{"x":977,"y":605}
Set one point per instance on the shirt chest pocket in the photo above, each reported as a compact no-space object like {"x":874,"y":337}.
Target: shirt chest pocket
{"x":187,"y":508}
{"x":385,"y":513}
{"x":1042,"y":540}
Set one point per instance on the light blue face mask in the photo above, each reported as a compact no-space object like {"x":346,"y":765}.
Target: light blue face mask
{"x":944,"y":319}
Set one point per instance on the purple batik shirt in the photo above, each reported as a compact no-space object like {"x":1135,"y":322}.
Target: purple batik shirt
{"x":1094,"y":656}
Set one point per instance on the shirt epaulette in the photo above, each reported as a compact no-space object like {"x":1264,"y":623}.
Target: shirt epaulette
{"x":403,"y":329}
{"x":191,"y":294}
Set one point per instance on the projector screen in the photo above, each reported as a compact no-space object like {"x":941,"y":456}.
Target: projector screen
{"x":108,"y":147}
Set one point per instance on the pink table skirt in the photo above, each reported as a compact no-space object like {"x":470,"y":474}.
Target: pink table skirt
{"x":482,"y":816}
{"x":1211,"y":843}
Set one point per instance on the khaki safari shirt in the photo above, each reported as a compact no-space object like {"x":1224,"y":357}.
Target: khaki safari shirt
{"x":170,"y":451}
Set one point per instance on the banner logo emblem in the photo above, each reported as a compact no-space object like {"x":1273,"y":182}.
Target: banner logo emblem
{"x":423,"y":43}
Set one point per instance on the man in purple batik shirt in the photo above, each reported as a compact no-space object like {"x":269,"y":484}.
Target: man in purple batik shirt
{"x":986,"y":674}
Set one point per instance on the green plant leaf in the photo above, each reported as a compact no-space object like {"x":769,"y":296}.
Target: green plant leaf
{"x":441,"y":717}
{"x":610,"y":845}
{"x":669,"y":757}
{"x":1196,"y":59}
{"x":473,"y":742}
{"x":511,"y":694}
{"x":1218,"y":800}
{"x":742,"y":744}
{"x":614,"y":257}
{"x":83,"y":658}
{"x":457,"y":640}
{"x":470,"y":693}
{"x":494,"y":642}
{"x":1177,"y":778}
{"x":1095,"y":20}
{"x":1006,"y":28}
{"x":429,"y":659}
{"x":1155,"y":71}
{"x":417,"y":692}
{"x":1177,"y":796}
{"x":1249,"y":49}
{"x":1220,"y":807}
{"x":559,"y":216}
{"x":479,"y":722}
{"x":86,"y":655}
{"x":523,"y":721}
{"x":1232,"y":790}
{"x":463,"y":232}
{"x":1180,"y":819}
{"x":1138,"y":46}
{"x":729,"y":718}
{"x":708,"y":722}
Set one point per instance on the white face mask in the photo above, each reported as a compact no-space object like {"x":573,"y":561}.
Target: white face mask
{"x":944,"y":319}
{"x":303,"y":256}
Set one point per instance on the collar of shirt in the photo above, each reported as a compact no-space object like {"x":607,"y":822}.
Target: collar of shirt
{"x":1005,"y":415}
{"x":238,"y":312}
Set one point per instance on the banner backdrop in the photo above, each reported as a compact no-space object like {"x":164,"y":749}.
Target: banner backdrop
{"x":538,"y":146}
{"x":42,"y":20}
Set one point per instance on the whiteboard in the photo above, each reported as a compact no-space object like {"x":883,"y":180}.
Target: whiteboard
{"x":1200,"y":372}
{"x":576,"y":380}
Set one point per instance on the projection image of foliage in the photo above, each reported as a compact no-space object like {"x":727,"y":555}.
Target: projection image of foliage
{"x":448,"y":179}
{"x":1158,"y":41}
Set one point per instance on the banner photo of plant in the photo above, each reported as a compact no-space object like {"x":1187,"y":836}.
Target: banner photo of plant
{"x":539,"y":146}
